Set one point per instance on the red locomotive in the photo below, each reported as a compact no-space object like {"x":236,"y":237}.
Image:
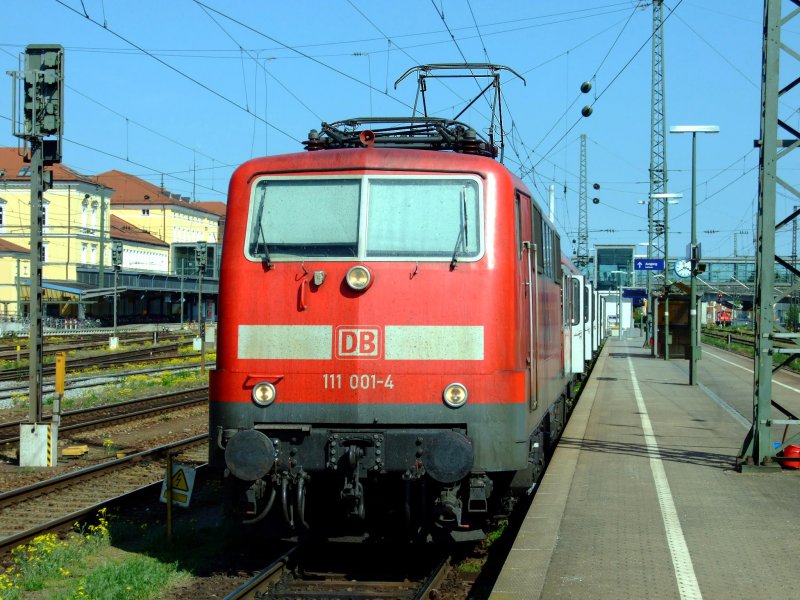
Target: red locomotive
{"x":391,"y":332}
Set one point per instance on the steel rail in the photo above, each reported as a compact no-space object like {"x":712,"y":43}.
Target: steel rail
{"x":264,"y":579}
{"x":63,"y":481}
{"x":76,"y":420}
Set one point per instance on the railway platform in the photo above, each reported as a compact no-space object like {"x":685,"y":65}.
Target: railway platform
{"x":641,"y":498}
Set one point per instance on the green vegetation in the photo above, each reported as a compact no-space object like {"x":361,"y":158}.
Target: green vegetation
{"x":739,"y":348}
{"x":733,"y":347}
{"x":134,"y":386}
{"x":495,"y":534}
{"x":48,"y":359}
{"x":129,"y":388}
{"x":792,"y":317}
{"x":138,"y":577}
{"x":82,"y":566}
{"x":474,"y":564}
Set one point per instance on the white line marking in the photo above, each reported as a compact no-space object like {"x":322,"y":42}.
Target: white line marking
{"x":740,"y":418}
{"x":788,"y":387}
{"x":688,"y":587}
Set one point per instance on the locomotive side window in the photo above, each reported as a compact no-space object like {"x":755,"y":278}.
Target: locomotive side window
{"x":576,"y":301}
{"x":305,"y":218}
{"x":556,"y":256}
{"x":586,"y":304}
{"x":536,"y":216}
{"x":372,"y":217}
{"x":423,"y":218}
{"x":547,"y":249}
{"x":518,"y":223}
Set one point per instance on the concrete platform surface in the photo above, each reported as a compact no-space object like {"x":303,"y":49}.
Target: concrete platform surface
{"x":641,"y":499}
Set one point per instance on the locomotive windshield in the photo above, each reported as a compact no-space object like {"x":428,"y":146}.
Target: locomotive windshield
{"x":372,"y":217}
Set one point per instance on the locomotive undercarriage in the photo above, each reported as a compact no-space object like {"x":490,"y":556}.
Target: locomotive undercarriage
{"x":423,"y":479}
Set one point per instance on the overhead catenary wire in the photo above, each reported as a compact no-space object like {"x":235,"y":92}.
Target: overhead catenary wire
{"x":611,"y":83}
{"x":519,"y":144}
{"x":296,"y":50}
{"x":119,"y":157}
{"x":130,"y":121}
{"x":178,"y":71}
{"x":254,"y":58}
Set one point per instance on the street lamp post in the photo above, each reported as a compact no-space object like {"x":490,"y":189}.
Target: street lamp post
{"x":667,"y":199}
{"x":694,"y":255}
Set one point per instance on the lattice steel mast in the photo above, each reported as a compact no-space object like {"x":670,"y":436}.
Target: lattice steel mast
{"x":582,"y":257}
{"x":758,"y":452}
{"x":657,"y":207}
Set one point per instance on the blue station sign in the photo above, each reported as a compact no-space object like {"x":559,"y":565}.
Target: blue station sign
{"x":648,"y":264}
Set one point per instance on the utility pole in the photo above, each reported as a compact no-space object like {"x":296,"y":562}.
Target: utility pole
{"x":657,"y":207}
{"x":183,"y":276}
{"x":101,"y":267}
{"x":42,"y":110}
{"x":19,"y":292}
{"x":116,"y":262}
{"x":201,"y":254}
{"x":36,"y":341}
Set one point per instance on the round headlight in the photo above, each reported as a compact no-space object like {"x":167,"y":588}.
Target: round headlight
{"x":264,"y":393}
{"x":358,"y":278}
{"x":455,"y":395}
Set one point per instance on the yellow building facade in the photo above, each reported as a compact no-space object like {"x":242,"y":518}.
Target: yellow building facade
{"x":78,"y":232}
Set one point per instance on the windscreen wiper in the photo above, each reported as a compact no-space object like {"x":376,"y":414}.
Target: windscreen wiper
{"x":265,"y":258}
{"x":463,"y":231}
{"x":460,"y":237}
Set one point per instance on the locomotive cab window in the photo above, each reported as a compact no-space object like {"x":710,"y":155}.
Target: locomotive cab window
{"x":378,"y":218}
{"x":305,"y":219}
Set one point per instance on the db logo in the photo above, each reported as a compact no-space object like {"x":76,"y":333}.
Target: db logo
{"x":358,"y":342}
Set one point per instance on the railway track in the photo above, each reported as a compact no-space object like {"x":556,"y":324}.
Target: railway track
{"x":11,"y":354}
{"x":289,"y":577}
{"x":746,"y":339}
{"x":58,"y":502}
{"x":78,"y":420}
{"x":105,"y":360}
{"x":783,"y":358}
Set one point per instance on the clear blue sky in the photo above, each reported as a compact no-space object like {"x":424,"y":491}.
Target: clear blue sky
{"x":187,"y":90}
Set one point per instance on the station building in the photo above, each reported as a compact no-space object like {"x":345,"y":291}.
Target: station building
{"x":726,"y":286}
{"x":83,"y":216}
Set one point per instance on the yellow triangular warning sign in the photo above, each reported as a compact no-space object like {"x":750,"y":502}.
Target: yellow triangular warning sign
{"x":179,"y":481}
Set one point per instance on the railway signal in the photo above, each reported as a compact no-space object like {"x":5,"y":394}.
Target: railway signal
{"x":38,"y":113}
{"x":116,"y":255}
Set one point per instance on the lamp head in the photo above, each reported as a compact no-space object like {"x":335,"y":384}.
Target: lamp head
{"x":694,"y":129}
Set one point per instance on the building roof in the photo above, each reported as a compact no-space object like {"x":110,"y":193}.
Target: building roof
{"x":218,"y":208}
{"x":14,"y":168}
{"x":122,"y":230}
{"x":131,"y":190}
{"x":8,"y":247}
